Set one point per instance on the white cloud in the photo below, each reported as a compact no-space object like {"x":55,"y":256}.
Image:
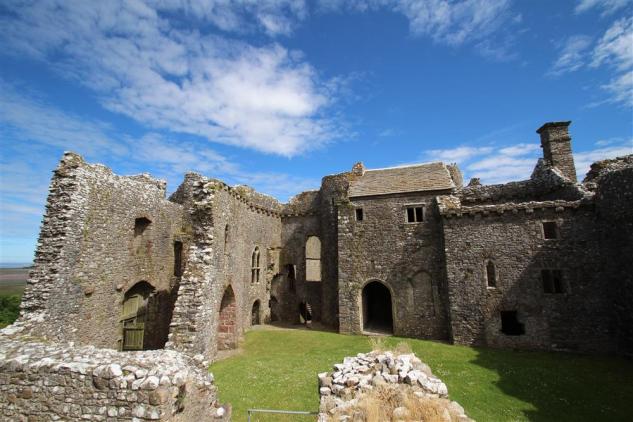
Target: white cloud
{"x":614,"y":50}
{"x":572,"y":55}
{"x":502,"y":164}
{"x":143,"y":65}
{"x":607,"y":6}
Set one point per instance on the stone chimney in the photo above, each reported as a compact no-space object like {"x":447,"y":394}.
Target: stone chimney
{"x":556,"y":144}
{"x":358,"y":169}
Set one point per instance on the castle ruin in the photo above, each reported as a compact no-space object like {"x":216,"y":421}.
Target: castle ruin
{"x":543,"y":263}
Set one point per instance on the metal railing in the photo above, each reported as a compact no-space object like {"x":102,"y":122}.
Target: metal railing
{"x":284,"y":412}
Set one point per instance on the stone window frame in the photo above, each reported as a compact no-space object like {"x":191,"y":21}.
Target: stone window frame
{"x":485,"y":270}
{"x":414,"y":205}
{"x":255,"y":265}
{"x":556,"y":222}
{"x":565,"y":288}
{"x":319,"y":259}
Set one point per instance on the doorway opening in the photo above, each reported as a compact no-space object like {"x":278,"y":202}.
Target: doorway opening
{"x":255,"y":313}
{"x":227,"y":322}
{"x":377,"y":311}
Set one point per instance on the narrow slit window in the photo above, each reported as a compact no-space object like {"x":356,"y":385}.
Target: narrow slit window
{"x":491,"y":274}
{"x":550,"y":230}
{"x":552,"y":281}
{"x":359,"y":214}
{"x":415,"y":214}
{"x":177,"y":258}
{"x":291,"y":272}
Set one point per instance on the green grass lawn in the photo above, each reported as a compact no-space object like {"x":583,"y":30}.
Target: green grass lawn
{"x":277,"y":369}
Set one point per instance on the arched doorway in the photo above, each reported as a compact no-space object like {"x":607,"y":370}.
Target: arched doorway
{"x":377,"y":312}
{"x":136,"y":316}
{"x":255,"y":313}
{"x":227,"y":321}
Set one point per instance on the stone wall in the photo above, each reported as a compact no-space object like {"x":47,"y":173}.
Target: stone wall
{"x":43,"y":382}
{"x":614,"y":209}
{"x":406,"y":257}
{"x":229,"y":223}
{"x":512,"y":237}
{"x":89,"y":255}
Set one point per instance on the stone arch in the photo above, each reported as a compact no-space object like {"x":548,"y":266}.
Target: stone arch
{"x":227,"y":321}
{"x":377,"y":308}
{"x":255,"y":313}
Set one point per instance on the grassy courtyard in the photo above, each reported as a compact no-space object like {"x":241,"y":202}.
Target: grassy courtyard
{"x":277,"y":369}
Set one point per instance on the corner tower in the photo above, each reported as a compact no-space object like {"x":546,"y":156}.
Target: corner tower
{"x":556,"y":144}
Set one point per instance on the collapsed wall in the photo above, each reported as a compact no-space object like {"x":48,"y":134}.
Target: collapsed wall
{"x":58,"y":382}
{"x":385,"y":386}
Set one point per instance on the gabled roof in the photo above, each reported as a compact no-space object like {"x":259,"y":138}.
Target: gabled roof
{"x":416,"y":178}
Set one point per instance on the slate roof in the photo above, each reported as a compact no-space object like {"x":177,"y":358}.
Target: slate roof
{"x":417,"y":178}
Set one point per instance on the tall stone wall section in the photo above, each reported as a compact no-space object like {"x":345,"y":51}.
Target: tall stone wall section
{"x":406,"y":257}
{"x":511,"y":236}
{"x":228,"y":224}
{"x":614,"y":209}
{"x":43,"y":382}
{"x":89,"y":255}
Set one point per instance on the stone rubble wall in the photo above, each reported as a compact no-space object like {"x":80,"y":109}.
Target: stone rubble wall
{"x":344,"y":386}
{"x":43,"y":382}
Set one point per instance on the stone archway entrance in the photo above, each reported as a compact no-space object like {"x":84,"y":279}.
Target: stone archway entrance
{"x":227,"y":328}
{"x":377,"y":311}
{"x":255,"y":313}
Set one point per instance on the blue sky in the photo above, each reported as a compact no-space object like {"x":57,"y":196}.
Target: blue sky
{"x":276,"y":93}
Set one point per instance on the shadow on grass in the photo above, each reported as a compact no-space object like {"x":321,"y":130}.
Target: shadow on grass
{"x":560,"y":386}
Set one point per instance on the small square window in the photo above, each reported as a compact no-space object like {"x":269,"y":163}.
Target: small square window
{"x":510,"y":324}
{"x":415,"y":214}
{"x":552,"y":281}
{"x":550,"y":230}
{"x":359,"y":214}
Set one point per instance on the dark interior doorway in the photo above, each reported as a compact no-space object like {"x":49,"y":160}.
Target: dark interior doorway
{"x":274,"y":309}
{"x":255,"y":313}
{"x":377,"y":312}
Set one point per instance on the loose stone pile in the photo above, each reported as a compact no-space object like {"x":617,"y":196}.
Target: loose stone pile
{"x":350,"y":380}
{"x":61,"y":382}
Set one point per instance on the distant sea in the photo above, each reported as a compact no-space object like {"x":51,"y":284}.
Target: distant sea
{"x":15,"y":264}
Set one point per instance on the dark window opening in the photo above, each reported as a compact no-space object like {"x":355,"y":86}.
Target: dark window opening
{"x":415,"y":214}
{"x":226,"y":238}
{"x":140,"y":224}
{"x":491,"y":274}
{"x":359,"y":214}
{"x":177,"y":258}
{"x":552,"y":281}
{"x":550,"y":230}
{"x":510,"y":324}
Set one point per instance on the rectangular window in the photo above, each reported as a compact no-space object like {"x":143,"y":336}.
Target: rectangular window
{"x":415,"y":214}
{"x":550,"y":230}
{"x":359,"y":214}
{"x":510,"y":324}
{"x":552,"y":281}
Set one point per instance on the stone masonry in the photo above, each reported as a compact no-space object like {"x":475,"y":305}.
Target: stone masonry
{"x":542,"y":263}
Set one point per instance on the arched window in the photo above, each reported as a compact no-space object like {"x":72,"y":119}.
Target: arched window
{"x":255,"y":266}
{"x":313,"y":259}
{"x":491,"y":274}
